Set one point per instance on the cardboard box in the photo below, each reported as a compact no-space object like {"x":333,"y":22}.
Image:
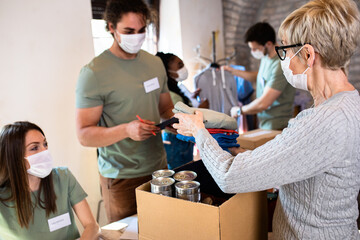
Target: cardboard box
{"x":243,"y":216}
{"x":255,"y":138}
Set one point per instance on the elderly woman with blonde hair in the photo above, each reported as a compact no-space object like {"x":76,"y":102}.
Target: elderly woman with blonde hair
{"x":316,"y":159}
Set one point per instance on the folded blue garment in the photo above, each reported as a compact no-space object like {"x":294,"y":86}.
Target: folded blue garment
{"x":224,"y":141}
{"x":185,"y":138}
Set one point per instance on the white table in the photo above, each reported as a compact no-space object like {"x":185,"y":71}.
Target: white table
{"x":115,"y":231}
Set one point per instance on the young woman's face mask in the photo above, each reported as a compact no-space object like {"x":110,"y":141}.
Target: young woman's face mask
{"x":177,"y":69}
{"x":182,"y":74}
{"x":41,"y":164}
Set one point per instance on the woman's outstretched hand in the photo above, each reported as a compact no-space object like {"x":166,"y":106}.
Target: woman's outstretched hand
{"x":189,"y":124}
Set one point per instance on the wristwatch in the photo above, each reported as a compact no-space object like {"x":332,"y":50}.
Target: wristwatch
{"x":239,"y":111}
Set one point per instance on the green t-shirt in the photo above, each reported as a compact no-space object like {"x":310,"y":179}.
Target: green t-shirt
{"x":271,"y":75}
{"x":68,"y":193}
{"x":118,"y":86}
{"x":175,"y":97}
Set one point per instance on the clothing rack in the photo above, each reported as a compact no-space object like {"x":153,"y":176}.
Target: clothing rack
{"x":213,"y":62}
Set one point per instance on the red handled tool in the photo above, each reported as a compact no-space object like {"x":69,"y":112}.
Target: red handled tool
{"x":140,"y":119}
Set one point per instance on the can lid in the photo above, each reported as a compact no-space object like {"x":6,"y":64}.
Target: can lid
{"x":163,"y":173}
{"x":187,"y":185}
{"x":185,"y":176}
{"x":162,"y":181}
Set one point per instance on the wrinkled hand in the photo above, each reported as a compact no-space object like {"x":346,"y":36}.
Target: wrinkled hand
{"x":189,"y":124}
{"x":140,"y":131}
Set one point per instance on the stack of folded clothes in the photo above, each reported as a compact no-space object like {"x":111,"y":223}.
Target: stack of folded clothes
{"x":221,"y":126}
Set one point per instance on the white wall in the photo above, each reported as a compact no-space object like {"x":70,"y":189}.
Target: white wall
{"x":170,"y":30}
{"x":186,"y":23}
{"x":43,"y":45}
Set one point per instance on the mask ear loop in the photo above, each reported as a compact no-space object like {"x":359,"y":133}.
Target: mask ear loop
{"x":117,"y":40}
{"x":306,"y":70}
{"x":308,"y":65}
{"x":297,"y":52}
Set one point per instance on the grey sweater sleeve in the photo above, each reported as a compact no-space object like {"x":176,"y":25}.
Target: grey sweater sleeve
{"x":310,"y":145}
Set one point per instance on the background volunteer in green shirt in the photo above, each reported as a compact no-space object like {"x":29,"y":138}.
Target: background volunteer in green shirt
{"x":112,"y":90}
{"x":274,"y":95}
{"x":36,"y":200}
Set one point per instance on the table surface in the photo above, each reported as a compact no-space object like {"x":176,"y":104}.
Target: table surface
{"x":116,"y":234}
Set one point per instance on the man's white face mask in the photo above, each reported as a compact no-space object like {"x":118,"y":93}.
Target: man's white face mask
{"x":298,"y":80}
{"x":258,"y":54}
{"x":130,"y":43}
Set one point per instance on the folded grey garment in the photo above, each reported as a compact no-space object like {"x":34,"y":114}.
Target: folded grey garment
{"x":212,"y":119}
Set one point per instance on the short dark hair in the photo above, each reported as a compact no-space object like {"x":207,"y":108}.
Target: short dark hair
{"x":115,"y":9}
{"x":261,"y":33}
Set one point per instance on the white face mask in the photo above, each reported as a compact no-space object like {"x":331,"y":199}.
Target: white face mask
{"x":41,"y":164}
{"x":298,"y":80}
{"x":182,"y":74}
{"x":131,"y":43}
{"x":258,"y":54}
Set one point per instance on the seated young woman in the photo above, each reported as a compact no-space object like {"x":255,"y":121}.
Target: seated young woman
{"x":37,"y":200}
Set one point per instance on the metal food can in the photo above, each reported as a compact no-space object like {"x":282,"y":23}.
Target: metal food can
{"x":188,"y":190}
{"x":185,"y":176}
{"x":163,"y":173}
{"x":162,"y":186}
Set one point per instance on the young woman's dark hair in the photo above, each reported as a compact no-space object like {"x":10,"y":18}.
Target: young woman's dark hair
{"x":261,"y":33}
{"x":14,"y":177}
{"x":166,"y":58}
{"x":115,"y":9}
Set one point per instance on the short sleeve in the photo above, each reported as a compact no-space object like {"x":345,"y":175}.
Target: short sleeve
{"x":175,"y":97}
{"x":87,"y":91}
{"x":277,"y":79}
{"x":75,"y":191}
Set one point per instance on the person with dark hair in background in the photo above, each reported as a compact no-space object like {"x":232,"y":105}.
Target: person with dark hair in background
{"x":274,"y":95}
{"x":120,"y":95}
{"x":37,"y":200}
{"x":178,"y":152}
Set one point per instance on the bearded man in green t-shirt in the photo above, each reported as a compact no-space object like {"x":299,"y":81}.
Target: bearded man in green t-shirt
{"x":274,"y":95}
{"x":120,"y":96}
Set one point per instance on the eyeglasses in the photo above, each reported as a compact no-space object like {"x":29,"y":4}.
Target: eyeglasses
{"x":281,"y":52}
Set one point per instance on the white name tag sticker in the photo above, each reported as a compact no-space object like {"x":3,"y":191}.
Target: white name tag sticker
{"x":151,"y":85}
{"x":59,"y":222}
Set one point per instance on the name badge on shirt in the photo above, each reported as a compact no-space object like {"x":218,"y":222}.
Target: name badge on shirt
{"x":151,"y":85}
{"x":59,"y":222}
